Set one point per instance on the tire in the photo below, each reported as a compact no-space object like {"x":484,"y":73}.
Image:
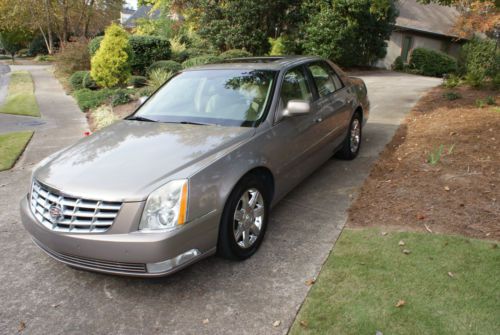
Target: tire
{"x":239,"y":237}
{"x":352,"y":143}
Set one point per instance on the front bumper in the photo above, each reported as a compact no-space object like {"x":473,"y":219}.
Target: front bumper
{"x":130,"y":253}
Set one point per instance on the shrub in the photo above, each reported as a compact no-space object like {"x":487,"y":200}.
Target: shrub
{"x":157,"y":78}
{"x":451,"y":81}
{"x":76,"y":80}
{"x":88,"y":99}
{"x":452,"y":96}
{"x":103,"y":117}
{"x":480,"y":60}
{"x":145,"y":91}
{"x":432,"y":63}
{"x":398,"y":64}
{"x":73,"y":57}
{"x":94,"y":44}
{"x":88,"y":82}
{"x":146,"y":50}
{"x":44,"y":58}
{"x":137,"y":81}
{"x":37,"y":46}
{"x":110,"y":66}
{"x":200,"y":60}
{"x":277,"y":46}
{"x":234,"y":53}
{"x":120,"y":97}
{"x":167,"y":65}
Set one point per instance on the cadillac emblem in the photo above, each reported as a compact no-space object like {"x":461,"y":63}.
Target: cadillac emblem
{"x":56,"y":212}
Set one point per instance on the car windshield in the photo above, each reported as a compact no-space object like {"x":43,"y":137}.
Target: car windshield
{"x":223,"y":97}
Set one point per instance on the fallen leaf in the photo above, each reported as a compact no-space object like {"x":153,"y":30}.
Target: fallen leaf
{"x":401,"y":243}
{"x":400,"y":303}
{"x":384,"y":233}
{"x":446,"y":188}
{"x":304,"y":323}
{"x":310,"y":281}
{"x":21,"y":327}
{"x":427,"y":228}
{"x":420,"y":216}
{"x":205,"y":321}
{"x":451,"y":274}
{"x":276,"y":323}
{"x":406,"y":251}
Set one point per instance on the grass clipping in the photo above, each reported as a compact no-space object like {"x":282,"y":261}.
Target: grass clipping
{"x":20,"y":96}
{"x":11,"y":147}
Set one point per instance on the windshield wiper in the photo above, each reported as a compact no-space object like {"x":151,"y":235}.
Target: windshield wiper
{"x":195,"y":123}
{"x":140,"y":118}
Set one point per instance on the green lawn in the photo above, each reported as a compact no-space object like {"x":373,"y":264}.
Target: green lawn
{"x":20,"y":97}
{"x":11,"y":147}
{"x":367,"y":274}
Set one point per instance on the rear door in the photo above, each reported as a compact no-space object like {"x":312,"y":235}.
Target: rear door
{"x":332,"y":102}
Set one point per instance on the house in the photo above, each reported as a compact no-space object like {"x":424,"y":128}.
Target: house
{"x":418,"y":25}
{"x":125,"y":14}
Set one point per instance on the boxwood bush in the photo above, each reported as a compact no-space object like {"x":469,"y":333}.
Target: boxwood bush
{"x":167,"y":65}
{"x":235,"y":53}
{"x":201,"y":60}
{"x":432,"y":63}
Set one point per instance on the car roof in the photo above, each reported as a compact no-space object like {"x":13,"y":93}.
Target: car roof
{"x":275,"y":63}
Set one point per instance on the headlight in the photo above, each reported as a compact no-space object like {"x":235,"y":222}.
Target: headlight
{"x":166,"y":207}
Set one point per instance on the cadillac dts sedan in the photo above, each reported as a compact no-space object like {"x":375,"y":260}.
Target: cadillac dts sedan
{"x":197,"y":168}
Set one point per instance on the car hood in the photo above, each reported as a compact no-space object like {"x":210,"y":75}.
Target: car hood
{"x":130,"y":159}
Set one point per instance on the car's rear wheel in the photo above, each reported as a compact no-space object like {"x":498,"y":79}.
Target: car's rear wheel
{"x":244,"y":220}
{"x":352,"y":143}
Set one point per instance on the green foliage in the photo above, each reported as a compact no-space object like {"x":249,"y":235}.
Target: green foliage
{"x":120,"y":97}
{"x":88,"y":99}
{"x":37,"y":46}
{"x":435,"y":155}
{"x":398,"y":64}
{"x":178,"y":48}
{"x":88,"y":82}
{"x":145,"y":91}
{"x":167,"y":65}
{"x":73,"y":57}
{"x":432,"y":63}
{"x":349,"y":33}
{"x":146,"y":50}
{"x":234,"y":53}
{"x":137,"y":81}
{"x":490,"y":100}
{"x":14,"y":40}
{"x":94,"y":44}
{"x":451,"y":81}
{"x":103,"y":116}
{"x":110,"y":64}
{"x":76,"y":80}
{"x":160,"y":26}
{"x":277,"y":46}
{"x":157,"y":78}
{"x":44,"y":58}
{"x":480,"y":61}
{"x":201,"y":60}
{"x":452,"y":96}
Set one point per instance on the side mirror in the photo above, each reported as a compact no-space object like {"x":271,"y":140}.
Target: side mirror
{"x":297,"y":107}
{"x":142,"y":100}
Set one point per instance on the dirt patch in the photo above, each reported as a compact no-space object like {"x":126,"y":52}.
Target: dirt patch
{"x":460,"y":193}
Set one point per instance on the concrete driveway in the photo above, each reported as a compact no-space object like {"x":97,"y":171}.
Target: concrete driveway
{"x":214,"y":296}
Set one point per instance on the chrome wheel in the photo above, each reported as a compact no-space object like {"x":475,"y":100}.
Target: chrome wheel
{"x":248,"y":218}
{"x":355,"y":135}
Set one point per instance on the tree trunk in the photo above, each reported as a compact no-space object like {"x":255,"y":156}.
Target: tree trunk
{"x":50,"y":47}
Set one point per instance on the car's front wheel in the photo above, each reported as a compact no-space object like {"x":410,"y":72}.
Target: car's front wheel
{"x":244,"y":219}
{"x":352,"y":143}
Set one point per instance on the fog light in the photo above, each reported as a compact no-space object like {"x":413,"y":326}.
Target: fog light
{"x":173,"y":262}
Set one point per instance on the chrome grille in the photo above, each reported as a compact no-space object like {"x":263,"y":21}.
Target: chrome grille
{"x":69,"y":214}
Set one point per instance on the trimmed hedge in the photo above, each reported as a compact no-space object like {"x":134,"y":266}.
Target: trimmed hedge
{"x":235,"y":53}
{"x":432,"y":63}
{"x":167,"y":65}
{"x":144,"y":51}
{"x":76,"y":80}
{"x":201,"y":60}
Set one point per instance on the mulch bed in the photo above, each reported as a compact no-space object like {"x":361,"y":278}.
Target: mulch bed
{"x":461,"y":193}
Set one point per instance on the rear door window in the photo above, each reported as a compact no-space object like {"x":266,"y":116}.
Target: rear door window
{"x":324,"y":82}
